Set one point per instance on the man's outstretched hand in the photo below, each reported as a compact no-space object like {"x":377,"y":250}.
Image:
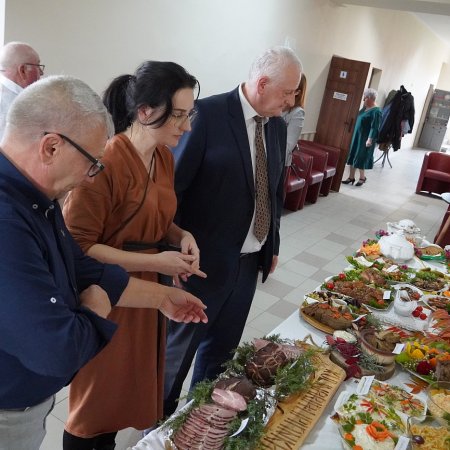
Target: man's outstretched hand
{"x":181,"y":306}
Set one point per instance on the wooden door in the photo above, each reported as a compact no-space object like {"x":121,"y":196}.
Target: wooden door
{"x":340,"y":105}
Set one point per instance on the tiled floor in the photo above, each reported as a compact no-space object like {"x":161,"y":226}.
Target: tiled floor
{"x":313,"y":246}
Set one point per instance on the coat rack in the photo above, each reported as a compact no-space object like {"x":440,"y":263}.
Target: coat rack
{"x":385,"y":149}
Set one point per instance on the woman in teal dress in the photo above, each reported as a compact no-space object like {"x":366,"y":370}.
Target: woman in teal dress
{"x":364,"y":138}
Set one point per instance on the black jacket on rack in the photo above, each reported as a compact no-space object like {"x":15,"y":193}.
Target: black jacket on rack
{"x":398,"y":110}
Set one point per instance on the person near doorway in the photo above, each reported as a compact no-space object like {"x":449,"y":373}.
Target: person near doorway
{"x":20,"y":66}
{"x":229,"y":183}
{"x":364,"y":138}
{"x":294,"y":116}
{"x":122,"y":217}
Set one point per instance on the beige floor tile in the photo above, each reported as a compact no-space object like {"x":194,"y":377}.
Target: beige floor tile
{"x":265,"y":322}
{"x":283,"y":275}
{"x":61,"y":410}
{"x":282,"y":309}
{"x":53,"y":437}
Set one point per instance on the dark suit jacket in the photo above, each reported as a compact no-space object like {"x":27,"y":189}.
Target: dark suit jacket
{"x":215,"y":187}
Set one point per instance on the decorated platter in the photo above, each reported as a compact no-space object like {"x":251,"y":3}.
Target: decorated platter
{"x":315,"y":323}
{"x":355,"y":307}
{"x":370,"y":296}
{"x":430,"y":281}
{"x":353,"y":407}
{"x":397,"y":398}
{"x":424,"y":357}
{"x":437,"y":301}
{"x":431,"y":252}
{"x":304,"y":409}
{"x":232,"y":411}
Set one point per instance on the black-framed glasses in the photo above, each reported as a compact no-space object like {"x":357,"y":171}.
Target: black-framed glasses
{"x":181,"y":117}
{"x":41,"y":66}
{"x":96,"y":167}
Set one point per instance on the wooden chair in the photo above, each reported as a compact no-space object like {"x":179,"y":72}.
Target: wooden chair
{"x":435,"y":173}
{"x":332,"y":162}
{"x":295,"y":184}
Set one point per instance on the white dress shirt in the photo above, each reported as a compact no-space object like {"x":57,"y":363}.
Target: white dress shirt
{"x":8,"y":92}
{"x":251,"y":243}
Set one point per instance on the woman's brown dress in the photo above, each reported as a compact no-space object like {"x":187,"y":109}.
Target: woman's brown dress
{"x":123,"y":385}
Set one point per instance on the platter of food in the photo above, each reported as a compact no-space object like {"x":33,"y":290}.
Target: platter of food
{"x":304,"y":409}
{"x":437,"y":301}
{"x":370,"y":296}
{"x":429,"y":280}
{"x":354,"y":306}
{"x":326,"y":318}
{"x":346,"y":352}
{"x":270,"y":384}
{"x":431,"y":252}
{"x":428,"y":434}
{"x":428,"y":358}
{"x":377,"y":415}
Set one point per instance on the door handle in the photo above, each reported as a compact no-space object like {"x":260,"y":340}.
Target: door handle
{"x":349,"y":124}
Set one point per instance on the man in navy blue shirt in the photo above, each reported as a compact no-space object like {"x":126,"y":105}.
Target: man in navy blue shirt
{"x":54,"y":300}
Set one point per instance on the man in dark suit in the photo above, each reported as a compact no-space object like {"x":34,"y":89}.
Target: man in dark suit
{"x":217,"y":168}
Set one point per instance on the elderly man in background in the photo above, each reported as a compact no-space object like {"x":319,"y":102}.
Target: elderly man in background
{"x":229,"y":184}
{"x":20,"y":66}
{"x":54,"y":300}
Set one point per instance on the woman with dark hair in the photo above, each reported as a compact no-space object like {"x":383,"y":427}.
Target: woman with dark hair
{"x":121,"y":217}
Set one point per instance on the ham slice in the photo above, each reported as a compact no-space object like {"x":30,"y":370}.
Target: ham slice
{"x":229,"y":399}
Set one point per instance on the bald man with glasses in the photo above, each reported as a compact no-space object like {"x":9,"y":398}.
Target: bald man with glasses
{"x":20,"y":66}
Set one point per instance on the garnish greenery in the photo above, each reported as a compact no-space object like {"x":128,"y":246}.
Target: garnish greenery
{"x":250,"y":436}
{"x":294,"y":377}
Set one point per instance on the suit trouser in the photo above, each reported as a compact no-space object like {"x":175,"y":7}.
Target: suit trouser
{"x":24,"y":429}
{"x":214,"y":341}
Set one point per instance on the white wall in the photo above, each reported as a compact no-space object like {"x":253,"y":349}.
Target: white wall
{"x":216,"y":40}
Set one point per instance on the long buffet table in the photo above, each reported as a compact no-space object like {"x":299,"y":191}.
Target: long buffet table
{"x":325,"y":434}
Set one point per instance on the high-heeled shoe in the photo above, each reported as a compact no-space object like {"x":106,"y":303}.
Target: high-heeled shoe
{"x":361,"y":181}
{"x":348,"y":181}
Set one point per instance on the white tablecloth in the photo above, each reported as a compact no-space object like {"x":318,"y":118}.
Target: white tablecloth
{"x":324,"y":436}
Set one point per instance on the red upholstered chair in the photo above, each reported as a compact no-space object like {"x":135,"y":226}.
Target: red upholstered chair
{"x":314,"y":182}
{"x":295,"y":185}
{"x":442,"y":237}
{"x":435,"y":173}
{"x":332,"y":162}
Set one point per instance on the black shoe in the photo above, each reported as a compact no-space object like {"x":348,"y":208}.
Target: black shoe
{"x":348,"y":181}
{"x":361,"y":181}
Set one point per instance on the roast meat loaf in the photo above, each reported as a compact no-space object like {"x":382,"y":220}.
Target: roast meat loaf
{"x":328,"y":315}
{"x":263,"y":365}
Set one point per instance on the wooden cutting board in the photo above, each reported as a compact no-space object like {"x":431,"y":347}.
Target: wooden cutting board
{"x":387,"y":372}
{"x":297,"y":415}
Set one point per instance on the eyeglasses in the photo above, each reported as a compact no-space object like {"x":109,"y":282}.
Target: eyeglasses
{"x":181,"y":117}
{"x":41,"y":66}
{"x":96,"y":167}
